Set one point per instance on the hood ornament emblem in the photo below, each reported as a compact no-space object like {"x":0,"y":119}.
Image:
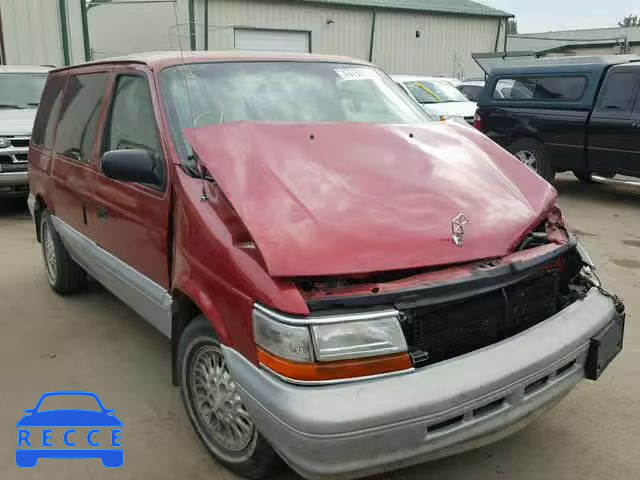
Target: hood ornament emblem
{"x":457,"y":229}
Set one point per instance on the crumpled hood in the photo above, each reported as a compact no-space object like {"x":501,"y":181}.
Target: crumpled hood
{"x":460,"y":109}
{"x":335,"y":199}
{"x":16,"y":122}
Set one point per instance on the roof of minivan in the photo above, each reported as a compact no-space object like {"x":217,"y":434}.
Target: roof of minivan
{"x":158,"y":60}
{"x":24,"y":69}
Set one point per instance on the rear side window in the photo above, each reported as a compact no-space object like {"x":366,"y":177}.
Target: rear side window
{"x":472,"y":92}
{"x":543,"y":89}
{"x":79,"y":115}
{"x":619,"y":91}
{"x":45,"y":123}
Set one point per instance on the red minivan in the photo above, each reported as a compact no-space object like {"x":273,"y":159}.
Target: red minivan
{"x":346,"y":286}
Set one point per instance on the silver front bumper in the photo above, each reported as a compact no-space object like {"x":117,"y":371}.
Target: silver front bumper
{"x":362,"y":428}
{"x":14,"y":184}
{"x":10,"y":180}
{"x":13,"y":178}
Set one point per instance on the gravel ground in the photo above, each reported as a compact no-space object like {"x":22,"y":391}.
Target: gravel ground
{"x":93,"y":342}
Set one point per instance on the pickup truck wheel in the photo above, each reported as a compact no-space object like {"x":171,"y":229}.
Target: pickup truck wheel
{"x":215,"y":408}
{"x":531,"y":153}
{"x":64,"y":275}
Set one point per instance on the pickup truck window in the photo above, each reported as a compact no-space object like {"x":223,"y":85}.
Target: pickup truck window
{"x":543,"y":89}
{"x":620,"y":89}
{"x":76,"y":134}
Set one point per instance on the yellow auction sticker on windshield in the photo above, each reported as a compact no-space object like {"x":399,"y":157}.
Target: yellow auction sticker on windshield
{"x":428,"y":90}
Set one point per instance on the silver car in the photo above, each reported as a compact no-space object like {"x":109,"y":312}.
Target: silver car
{"x":438,"y":97}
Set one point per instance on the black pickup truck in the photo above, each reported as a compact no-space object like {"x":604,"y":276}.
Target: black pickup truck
{"x":581,"y":115}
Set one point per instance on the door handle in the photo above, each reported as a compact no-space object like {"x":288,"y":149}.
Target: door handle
{"x":102,"y":214}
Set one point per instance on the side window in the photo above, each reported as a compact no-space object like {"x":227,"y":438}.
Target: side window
{"x":47,"y":116}
{"x":132,"y":124}
{"x":619,"y":91}
{"x":544,"y":89}
{"x":79,"y":115}
{"x":471,"y":92}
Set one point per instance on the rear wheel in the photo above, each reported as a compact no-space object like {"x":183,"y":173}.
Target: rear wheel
{"x":215,"y":408}
{"x":64,"y":274}
{"x":531,"y":153}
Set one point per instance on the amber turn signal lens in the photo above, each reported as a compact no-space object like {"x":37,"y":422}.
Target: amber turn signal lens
{"x":338,"y":370}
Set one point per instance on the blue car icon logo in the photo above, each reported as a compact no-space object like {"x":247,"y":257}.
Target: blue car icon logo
{"x":84,"y":433}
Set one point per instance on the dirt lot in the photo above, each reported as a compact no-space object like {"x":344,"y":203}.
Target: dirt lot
{"x":93,"y":342}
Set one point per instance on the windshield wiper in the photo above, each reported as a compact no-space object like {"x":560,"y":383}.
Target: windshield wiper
{"x":32,"y":104}
{"x":8,"y":105}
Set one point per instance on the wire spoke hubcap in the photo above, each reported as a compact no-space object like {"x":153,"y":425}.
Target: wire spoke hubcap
{"x":217,"y":402}
{"x":528,"y":158}
{"x":49,"y":251}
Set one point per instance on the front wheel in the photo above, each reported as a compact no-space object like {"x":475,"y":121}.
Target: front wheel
{"x":215,"y":408}
{"x":531,"y":153}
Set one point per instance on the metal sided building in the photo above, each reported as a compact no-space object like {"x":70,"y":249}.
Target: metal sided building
{"x":434,"y":37}
{"x":572,"y":43}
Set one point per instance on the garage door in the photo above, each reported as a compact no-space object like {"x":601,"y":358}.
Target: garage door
{"x":271,"y":40}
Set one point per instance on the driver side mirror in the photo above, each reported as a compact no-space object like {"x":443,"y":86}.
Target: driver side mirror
{"x":134,"y":165}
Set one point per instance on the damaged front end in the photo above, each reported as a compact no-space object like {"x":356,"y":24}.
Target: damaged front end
{"x":450,"y":311}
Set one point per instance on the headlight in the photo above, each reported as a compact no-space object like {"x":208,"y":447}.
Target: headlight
{"x":330,"y":348}
{"x":4,"y":142}
{"x":367,"y":338}
{"x":286,"y":341}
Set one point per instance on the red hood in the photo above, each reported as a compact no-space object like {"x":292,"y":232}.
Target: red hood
{"x":332,"y":199}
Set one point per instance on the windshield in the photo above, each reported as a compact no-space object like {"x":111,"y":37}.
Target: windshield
{"x":427,"y":91}
{"x":21,"y":90}
{"x":291,"y":92}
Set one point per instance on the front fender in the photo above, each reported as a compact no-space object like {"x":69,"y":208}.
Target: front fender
{"x":202,"y":299}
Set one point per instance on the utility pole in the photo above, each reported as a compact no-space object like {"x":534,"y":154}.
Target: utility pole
{"x":3,"y":52}
{"x":85,"y":30}
{"x":192,"y":25}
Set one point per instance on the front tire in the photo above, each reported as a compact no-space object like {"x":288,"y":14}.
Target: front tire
{"x":65,"y":276}
{"x":214,"y":406}
{"x":531,"y":153}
